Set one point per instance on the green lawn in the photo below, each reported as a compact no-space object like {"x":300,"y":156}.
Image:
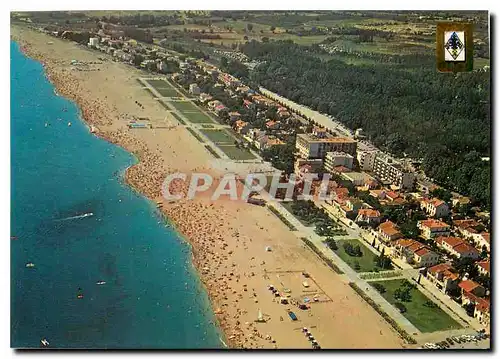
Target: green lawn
{"x":365,"y":261}
{"x":219,"y":136}
{"x":184,"y":106}
{"x":426,"y":319}
{"x":236,"y":153}
{"x":197,"y":117}
{"x":158,"y":83}
{"x":163,"y":88}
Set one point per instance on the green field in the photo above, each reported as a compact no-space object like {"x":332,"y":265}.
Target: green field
{"x":219,"y":136}
{"x":197,"y":117}
{"x":184,"y":106}
{"x":426,"y":319}
{"x":163,"y":88}
{"x":366,"y":263}
{"x":236,"y":153}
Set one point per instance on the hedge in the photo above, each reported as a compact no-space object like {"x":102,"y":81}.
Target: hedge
{"x":325,"y":259}
{"x":384,"y":315}
{"x":283,"y":219}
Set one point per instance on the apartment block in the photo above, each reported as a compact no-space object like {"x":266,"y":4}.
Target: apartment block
{"x":334,"y":159}
{"x":366,"y":160}
{"x":312,"y":146}
{"x":388,"y":169}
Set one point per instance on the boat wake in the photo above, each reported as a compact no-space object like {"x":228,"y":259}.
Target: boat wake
{"x":223,"y":342}
{"x":76,"y":217}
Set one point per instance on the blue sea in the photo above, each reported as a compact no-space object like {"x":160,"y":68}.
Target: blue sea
{"x":61,"y":175}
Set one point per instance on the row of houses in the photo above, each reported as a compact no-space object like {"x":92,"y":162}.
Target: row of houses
{"x":446,"y":278}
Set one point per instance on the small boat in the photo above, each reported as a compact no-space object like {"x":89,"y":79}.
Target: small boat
{"x":46,"y":124}
{"x":79,"y":296}
{"x":14,"y":238}
{"x":260,"y":317}
{"x":44,"y":342}
{"x":69,"y":124}
{"x":30,"y":265}
{"x":101,"y":282}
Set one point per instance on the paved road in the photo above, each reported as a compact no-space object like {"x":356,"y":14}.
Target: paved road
{"x":323,"y":120}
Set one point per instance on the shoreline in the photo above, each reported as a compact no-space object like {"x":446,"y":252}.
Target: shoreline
{"x":226,"y":250}
{"x":128,"y":183}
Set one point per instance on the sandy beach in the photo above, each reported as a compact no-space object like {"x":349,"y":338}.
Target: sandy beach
{"x":228,"y":238}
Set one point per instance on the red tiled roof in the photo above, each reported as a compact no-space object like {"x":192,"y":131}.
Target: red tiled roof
{"x":434,"y":223}
{"x":388,"y":228}
{"x":471,"y":230}
{"x":451,"y":241}
{"x":404,"y":242}
{"x":392,"y":195}
{"x":440,"y":268}
{"x":422,"y":252}
{"x":483,"y":305}
{"x":468,"y":285}
{"x":367,"y":212}
{"x":447,"y":270}
{"x":486,"y":236}
{"x":485,"y":265}
{"x":415,"y":246}
{"x":465,"y":223}
{"x":465,"y":248}
{"x":436,"y":202}
{"x":270,"y":123}
{"x":341,"y":192}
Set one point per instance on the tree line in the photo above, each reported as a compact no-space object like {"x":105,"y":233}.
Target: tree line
{"x":442,"y":119}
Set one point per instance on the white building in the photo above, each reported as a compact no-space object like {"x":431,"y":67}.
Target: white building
{"x":366,"y":160}
{"x":334,"y":159}
{"x":317,"y":145}
{"x":388,"y":169}
{"x":432,"y":228}
{"x":194,"y":89}
{"x":93,"y":42}
{"x":358,"y":178}
{"x":435,"y":207}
